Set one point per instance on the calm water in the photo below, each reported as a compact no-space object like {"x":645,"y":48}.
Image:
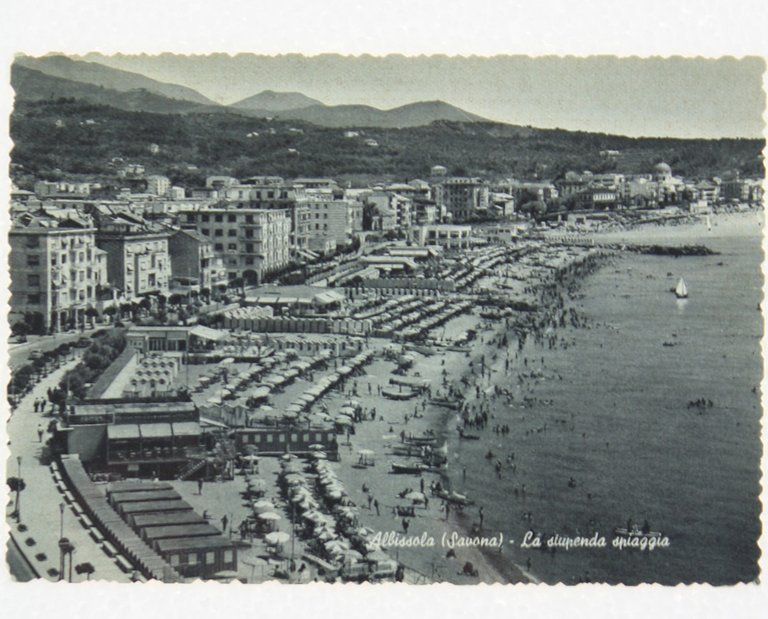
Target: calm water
{"x":618,"y":423}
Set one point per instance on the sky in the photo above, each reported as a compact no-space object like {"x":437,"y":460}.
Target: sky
{"x":670,"y":97}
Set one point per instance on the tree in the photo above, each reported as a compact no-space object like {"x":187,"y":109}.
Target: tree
{"x":85,"y":568}
{"x":20,"y":328}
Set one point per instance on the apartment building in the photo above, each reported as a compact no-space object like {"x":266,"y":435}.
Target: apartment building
{"x":251,"y":242}
{"x":138,"y":263}
{"x":55,"y":271}
{"x":462,"y":197}
{"x":194,"y":266}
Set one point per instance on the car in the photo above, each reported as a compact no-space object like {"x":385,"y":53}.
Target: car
{"x":18,"y":339}
{"x":36,"y":354}
{"x":83,"y":342}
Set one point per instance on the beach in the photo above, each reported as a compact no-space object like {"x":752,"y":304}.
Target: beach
{"x":598,"y":431}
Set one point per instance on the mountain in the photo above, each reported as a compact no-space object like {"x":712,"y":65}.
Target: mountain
{"x":32,"y":85}
{"x":52,"y":141}
{"x":107,"y":77}
{"x":271,"y":101}
{"x":410,"y":115}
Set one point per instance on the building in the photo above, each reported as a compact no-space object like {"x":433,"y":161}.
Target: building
{"x":138,"y":262}
{"x":742,"y":190}
{"x":391,"y":201}
{"x":597,"y":198}
{"x":194,"y":267}
{"x":251,"y":242}
{"x":462,"y":197}
{"x":55,"y":271}
{"x":327,"y":218}
{"x":438,"y":170}
{"x":158,"y":185}
{"x":446,"y":236}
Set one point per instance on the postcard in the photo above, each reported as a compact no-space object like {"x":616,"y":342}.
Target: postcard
{"x":334,"y":318}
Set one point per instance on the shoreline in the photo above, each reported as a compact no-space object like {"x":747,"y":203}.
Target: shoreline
{"x":506,"y":566}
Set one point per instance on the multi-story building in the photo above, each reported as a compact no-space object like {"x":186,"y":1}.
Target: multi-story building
{"x":194,"y":267}
{"x":251,"y":242}
{"x":158,"y":185}
{"x":329,"y":218}
{"x":138,"y":263}
{"x":54,"y":271}
{"x":395,"y":202}
{"x":743,"y":190}
{"x":462,"y":197}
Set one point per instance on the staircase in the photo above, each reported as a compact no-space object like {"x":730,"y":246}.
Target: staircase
{"x":192,"y":467}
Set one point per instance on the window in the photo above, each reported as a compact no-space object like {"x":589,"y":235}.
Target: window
{"x":192,"y":559}
{"x":210,"y":557}
{"x":249,"y":247}
{"x":249,"y":219}
{"x":269,"y":438}
{"x":218,"y":218}
{"x":33,"y":299}
{"x":206,"y":231}
{"x":294,"y":438}
{"x":218,"y":246}
{"x":33,"y":241}
{"x":249,"y":234}
{"x":33,"y":261}
{"x":206,"y":218}
{"x":175,"y":559}
{"x":232,"y":218}
{"x":232,"y":232}
{"x":281,"y":438}
{"x":232,"y":246}
{"x":305,"y":438}
{"x":229,"y":556}
{"x":218,"y":232}
{"x":249,"y":260}
{"x":63,"y":258}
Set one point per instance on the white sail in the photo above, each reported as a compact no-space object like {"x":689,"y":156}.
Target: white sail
{"x":681,"y":291}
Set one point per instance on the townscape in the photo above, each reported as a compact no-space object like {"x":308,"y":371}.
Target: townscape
{"x":251,"y":379}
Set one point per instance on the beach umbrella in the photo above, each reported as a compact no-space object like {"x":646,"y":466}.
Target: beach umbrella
{"x":352,"y":555}
{"x":333,"y":494}
{"x":276,"y":538}
{"x":287,"y":457}
{"x":336,"y":546}
{"x":264,"y":505}
{"x":316,"y":447}
{"x":366,"y":452}
{"x":326,"y":536}
{"x":270,"y":516}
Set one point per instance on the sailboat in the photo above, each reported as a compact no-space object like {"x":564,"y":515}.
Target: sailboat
{"x":680,"y":290}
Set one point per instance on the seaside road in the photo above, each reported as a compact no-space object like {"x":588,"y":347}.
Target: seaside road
{"x":40,"y":500}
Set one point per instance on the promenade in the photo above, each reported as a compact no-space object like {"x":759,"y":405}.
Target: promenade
{"x":40,"y":500}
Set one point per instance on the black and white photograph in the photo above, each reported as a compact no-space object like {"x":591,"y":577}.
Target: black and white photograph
{"x":384,"y":318}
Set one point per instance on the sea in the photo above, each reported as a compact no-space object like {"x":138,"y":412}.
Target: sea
{"x":609,"y":434}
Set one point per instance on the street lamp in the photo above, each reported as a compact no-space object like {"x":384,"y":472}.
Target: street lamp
{"x":18,"y":489}
{"x":61,"y":542}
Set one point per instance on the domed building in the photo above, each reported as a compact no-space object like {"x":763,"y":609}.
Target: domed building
{"x":662,"y":172}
